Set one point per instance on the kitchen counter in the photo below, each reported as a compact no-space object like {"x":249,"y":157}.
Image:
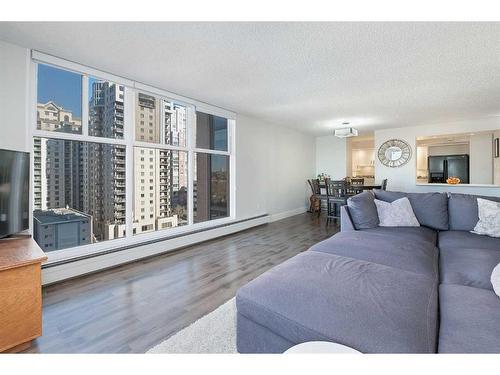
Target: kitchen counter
{"x":453,"y":185}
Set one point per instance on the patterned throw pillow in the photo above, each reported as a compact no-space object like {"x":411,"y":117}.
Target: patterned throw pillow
{"x":398,"y":213}
{"x":489,"y":218}
{"x":495,"y":279}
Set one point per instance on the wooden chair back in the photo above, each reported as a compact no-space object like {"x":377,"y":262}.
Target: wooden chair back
{"x":336,"y":188}
{"x":314,"y":184}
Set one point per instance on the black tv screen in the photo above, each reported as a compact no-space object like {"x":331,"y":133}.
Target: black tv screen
{"x":14,"y":192}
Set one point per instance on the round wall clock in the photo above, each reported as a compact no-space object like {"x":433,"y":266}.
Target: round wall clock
{"x":394,"y":153}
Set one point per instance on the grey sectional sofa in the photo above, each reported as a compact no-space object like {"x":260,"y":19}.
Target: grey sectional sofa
{"x":382,"y":290}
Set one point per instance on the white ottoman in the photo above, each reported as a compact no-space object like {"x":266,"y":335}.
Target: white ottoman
{"x":321,"y":347}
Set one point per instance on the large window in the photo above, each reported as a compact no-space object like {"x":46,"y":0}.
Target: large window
{"x":115,"y":163}
{"x":211,"y":163}
{"x":79,"y":186}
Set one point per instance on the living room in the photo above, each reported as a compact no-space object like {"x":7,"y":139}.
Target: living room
{"x":191,"y":186}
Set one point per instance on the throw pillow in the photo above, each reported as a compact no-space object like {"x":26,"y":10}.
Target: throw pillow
{"x":396,"y":214}
{"x":363,"y":211}
{"x":495,"y":279}
{"x":489,"y":218}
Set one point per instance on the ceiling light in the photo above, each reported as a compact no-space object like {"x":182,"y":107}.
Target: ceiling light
{"x":345,"y":132}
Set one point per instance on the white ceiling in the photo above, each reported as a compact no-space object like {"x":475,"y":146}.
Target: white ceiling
{"x":310,"y":76}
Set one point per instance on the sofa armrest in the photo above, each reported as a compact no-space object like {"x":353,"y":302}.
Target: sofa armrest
{"x":346,"y":223}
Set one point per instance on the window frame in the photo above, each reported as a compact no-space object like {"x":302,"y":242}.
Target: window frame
{"x":131,"y":90}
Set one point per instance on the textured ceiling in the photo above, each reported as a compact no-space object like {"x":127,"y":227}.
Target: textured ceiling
{"x":310,"y":76}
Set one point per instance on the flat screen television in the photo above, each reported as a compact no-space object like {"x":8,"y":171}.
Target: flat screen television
{"x":14,"y":192}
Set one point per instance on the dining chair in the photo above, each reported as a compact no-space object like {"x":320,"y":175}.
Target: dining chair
{"x":314,"y":202}
{"x":355,"y":186}
{"x":336,"y":193}
{"x":316,"y":197}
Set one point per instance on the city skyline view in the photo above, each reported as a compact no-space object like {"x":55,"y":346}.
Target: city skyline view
{"x":80,"y":186}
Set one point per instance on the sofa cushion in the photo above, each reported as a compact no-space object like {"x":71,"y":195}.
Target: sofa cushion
{"x":363,"y":211}
{"x":418,"y":256}
{"x":431,"y":209}
{"x":469,"y":267}
{"x":369,"y":307}
{"x":461,"y":239}
{"x":406,"y":233}
{"x":463,"y":210}
{"x":469,"y":320}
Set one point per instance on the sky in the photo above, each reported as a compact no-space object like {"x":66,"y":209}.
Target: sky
{"x":60,"y":86}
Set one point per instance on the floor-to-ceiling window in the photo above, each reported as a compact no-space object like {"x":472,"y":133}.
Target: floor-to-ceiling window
{"x":114,"y":162}
{"x":211,"y":185}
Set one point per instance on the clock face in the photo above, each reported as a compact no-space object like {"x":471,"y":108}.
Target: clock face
{"x":394,"y":153}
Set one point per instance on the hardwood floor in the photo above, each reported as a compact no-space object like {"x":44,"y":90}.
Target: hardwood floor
{"x":136,"y":306}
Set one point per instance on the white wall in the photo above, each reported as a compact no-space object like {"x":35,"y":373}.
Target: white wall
{"x":422,"y":154}
{"x":13,"y":96}
{"x":448,"y":150}
{"x":481,"y":159}
{"x":403,"y":178}
{"x":273,"y":164}
{"x":331,"y":156}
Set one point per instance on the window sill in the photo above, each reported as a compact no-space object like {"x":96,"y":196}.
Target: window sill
{"x":65,"y":256}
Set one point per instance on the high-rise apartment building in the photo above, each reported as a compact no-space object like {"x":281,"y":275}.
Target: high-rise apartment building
{"x":147,"y":118}
{"x":105,"y":177}
{"x":52,"y":117}
{"x":159,"y":173}
{"x":57,"y":162}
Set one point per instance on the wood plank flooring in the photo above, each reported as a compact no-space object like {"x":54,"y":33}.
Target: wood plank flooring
{"x":131,"y":308}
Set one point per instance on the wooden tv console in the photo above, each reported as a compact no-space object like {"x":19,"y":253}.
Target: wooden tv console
{"x":20,"y":292}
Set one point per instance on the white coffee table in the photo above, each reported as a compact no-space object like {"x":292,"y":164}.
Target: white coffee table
{"x":321,"y":347}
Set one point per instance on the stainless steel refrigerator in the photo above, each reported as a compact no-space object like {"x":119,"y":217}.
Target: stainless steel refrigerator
{"x":442,"y":167}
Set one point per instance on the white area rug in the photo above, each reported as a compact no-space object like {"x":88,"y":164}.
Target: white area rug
{"x":213,"y":333}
